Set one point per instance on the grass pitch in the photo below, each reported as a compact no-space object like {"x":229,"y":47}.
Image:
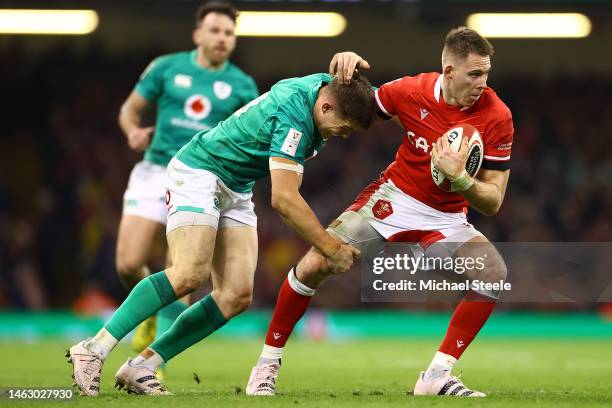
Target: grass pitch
{"x":543,"y":373}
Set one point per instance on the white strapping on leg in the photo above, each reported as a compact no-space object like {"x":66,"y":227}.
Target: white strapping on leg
{"x":298,"y":286}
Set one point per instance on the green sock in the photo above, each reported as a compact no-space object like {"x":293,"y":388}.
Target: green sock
{"x":196,"y":323}
{"x":166,"y":316}
{"x":148,"y":296}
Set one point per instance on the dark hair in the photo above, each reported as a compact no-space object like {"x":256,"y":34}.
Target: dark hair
{"x":462,"y":41}
{"x":355,"y":100}
{"x":215,"y":7}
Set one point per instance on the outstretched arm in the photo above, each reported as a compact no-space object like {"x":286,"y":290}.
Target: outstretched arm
{"x":289,"y":203}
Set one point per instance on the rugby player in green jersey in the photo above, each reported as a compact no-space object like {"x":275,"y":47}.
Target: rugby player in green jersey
{"x":211,"y":226}
{"x":193,"y":90}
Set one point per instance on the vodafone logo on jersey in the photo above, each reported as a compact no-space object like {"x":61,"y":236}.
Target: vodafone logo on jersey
{"x":197,"y":107}
{"x":382,"y":209}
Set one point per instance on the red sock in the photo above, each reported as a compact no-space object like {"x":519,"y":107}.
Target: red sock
{"x":469,"y":317}
{"x":289,"y":309}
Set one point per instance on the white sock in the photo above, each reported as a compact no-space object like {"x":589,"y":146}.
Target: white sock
{"x":102,"y":343}
{"x":441,"y":365}
{"x":152,"y":363}
{"x":270,"y":354}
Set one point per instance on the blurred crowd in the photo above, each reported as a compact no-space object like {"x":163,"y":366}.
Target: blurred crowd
{"x":65,"y":165}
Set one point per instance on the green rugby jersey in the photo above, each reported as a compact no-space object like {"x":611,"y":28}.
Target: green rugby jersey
{"x":190,"y":98}
{"x":279,"y":123}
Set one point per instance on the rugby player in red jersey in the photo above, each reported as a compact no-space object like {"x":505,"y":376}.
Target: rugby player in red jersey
{"x":405,"y":205}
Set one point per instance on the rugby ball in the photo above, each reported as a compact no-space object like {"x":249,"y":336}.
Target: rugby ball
{"x":475,"y":152}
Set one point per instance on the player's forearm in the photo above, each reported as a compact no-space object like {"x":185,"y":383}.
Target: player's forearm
{"x":485,"y":197}
{"x":129,"y":118}
{"x":298,"y":215}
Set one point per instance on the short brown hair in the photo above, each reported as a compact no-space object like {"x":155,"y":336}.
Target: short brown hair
{"x":215,"y":7}
{"x":463,"y":41}
{"x":354,"y":100}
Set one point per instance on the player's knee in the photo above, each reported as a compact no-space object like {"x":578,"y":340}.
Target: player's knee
{"x":241,"y":302}
{"x":129,"y":269}
{"x":189,"y":277}
{"x":494,"y":271}
{"x":233,"y":302}
{"x":499,"y":271}
{"x":312,"y":269}
{"x":313,"y":264}
{"x":489,"y":264}
{"x":191,"y":283}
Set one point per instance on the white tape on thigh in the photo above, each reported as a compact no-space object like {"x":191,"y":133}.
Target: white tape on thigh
{"x":188,"y":218}
{"x":295,"y":167}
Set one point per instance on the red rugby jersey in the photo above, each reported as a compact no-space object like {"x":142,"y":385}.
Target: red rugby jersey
{"x":418,"y":103}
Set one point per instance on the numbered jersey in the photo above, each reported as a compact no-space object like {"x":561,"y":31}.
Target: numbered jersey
{"x":279,"y":123}
{"x":190,"y":98}
{"x":419,"y":105}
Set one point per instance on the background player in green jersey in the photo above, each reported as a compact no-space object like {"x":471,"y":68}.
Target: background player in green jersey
{"x":211,"y":225}
{"x":193,"y":90}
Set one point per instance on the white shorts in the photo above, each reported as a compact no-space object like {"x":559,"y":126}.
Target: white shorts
{"x":394,"y":216}
{"x":145,"y":195}
{"x":199,"y":197}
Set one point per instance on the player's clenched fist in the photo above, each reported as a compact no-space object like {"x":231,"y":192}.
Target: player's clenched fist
{"x":138,"y":138}
{"x":446,"y":160}
{"x":342,"y":260}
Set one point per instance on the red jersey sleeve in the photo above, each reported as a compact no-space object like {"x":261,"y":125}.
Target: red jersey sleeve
{"x":388,"y":97}
{"x":498,"y":145}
